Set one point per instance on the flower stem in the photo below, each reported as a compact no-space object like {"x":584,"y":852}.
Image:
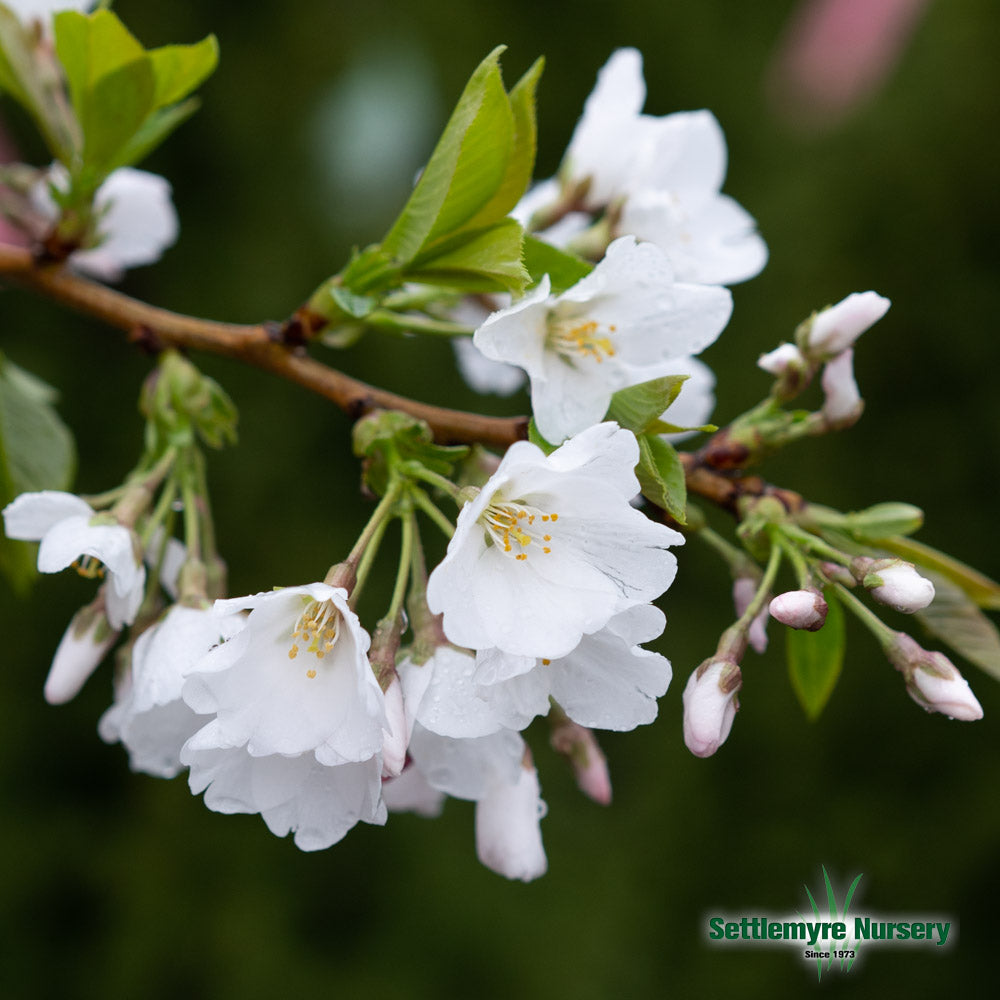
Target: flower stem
{"x":384,"y":319}
{"x":417,"y":471}
{"x":424,"y":502}
{"x":867,"y":617}
{"x":816,"y":544}
{"x":376,"y":523}
{"x":405,"y":560}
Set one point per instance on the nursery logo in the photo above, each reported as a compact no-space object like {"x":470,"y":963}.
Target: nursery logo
{"x":832,"y":939}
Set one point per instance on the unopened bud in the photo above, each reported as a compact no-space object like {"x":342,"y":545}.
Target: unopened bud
{"x":895,"y":583}
{"x":842,"y":403}
{"x":933,"y":681}
{"x":81,"y":649}
{"x":835,"y":329}
{"x":836,"y":573}
{"x":805,"y":609}
{"x":710,"y":705}
{"x":508,"y":833}
{"x":395,"y":730}
{"x":579,"y":746}
{"x":784,"y":358}
{"x":744,"y":591}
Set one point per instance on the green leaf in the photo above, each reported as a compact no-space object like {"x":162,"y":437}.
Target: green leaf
{"x":466,"y":168}
{"x":815,"y":659}
{"x":36,"y":453}
{"x":357,"y":306}
{"x":563,"y":268}
{"x":639,"y":407}
{"x":979,"y":588}
{"x":954,"y":619}
{"x":179,"y":69}
{"x":485,"y":260}
{"x":521,"y":159}
{"x":153,"y":131}
{"x":661,"y":476}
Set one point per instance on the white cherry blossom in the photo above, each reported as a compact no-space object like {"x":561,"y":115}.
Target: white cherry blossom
{"x":620,"y":325}
{"x":148,"y":716}
{"x":296,"y":678}
{"x":834,"y":329}
{"x":550,"y":550}
{"x":137,"y":221}
{"x":84,"y":644}
{"x":71,"y":533}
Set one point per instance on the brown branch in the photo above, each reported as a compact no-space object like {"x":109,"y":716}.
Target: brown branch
{"x":257,"y":345}
{"x":261,"y":345}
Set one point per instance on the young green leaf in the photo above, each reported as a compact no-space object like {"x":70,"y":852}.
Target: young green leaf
{"x":563,"y":268}
{"x":466,"y":168}
{"x":179,"y":69}
{"x":36,"y":453}
{"x":954,"y":619}
{"x":815,"y":659}
{"x":661,"y":476}
{"x":638,"y":407}
{"x":484,"y":260}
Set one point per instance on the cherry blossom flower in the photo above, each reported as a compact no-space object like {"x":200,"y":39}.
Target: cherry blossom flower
{"x":148,"y":716}
{"x":620,"y":325}
{"x":662,"y":178}
{"x":71,"y":533}
{"x":550,"y":550}
{"x":296,"y":678}
{"x":137,"y":221}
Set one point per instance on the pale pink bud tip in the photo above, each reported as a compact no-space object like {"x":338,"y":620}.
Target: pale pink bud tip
{"x":805,"y":609}
{"x":950,"y":695}
{"x":508,"y":832}
{"x":835,"y":329}
{"x":594,"y":779}
{"x":394,"y":741}
{"x":710,"y":706}
{"x":783,"y":358}
{"x":898,"y":585}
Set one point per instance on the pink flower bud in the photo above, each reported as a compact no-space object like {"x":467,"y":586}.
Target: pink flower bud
{"x":895,"y":583}
{"x":804,"y":609}
{"x":508,"y":833}
{"x":783,"y":358}
{"x":710,"y":705}
{"x":744,"y":590}
{"x":580,"y":747}
{"x":842,"y":404}
{"x":945,"y":691}
{"x":835,"y":329}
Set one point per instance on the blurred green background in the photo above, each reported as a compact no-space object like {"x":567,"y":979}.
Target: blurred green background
{"x":118,"y":885}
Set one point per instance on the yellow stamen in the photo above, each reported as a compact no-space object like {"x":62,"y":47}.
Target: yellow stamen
{"x":316,"y":628}
{"x":574,"y":340}
{"x":310,"y":674}
{"x":91,"y":568}
{"x":510,"y":526}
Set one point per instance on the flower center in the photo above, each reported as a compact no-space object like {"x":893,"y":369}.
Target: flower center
{"x":515,"y":526}
{"x":91,"y":568}
{"x":316,"y":629}
{"x":578,"y":337}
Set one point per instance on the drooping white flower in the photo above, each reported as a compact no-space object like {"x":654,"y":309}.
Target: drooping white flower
{"x":71,"y":533}
{"x":148,"y":716}
{"x":296,"y":678}
{"x":137,"y":221}
{"x":293,"y":794}
{"x":607,"y":682}
{"x":550,"y":550}
{"x":710,"y":705}
{"x":833,"y":330}
{"x":620,"y":325}
{"x":83,"y":645}
{"x":492,"y":772}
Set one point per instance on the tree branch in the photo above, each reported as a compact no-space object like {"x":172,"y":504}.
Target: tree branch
{"x":258,"y":345}
{"x":261,"y":345}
